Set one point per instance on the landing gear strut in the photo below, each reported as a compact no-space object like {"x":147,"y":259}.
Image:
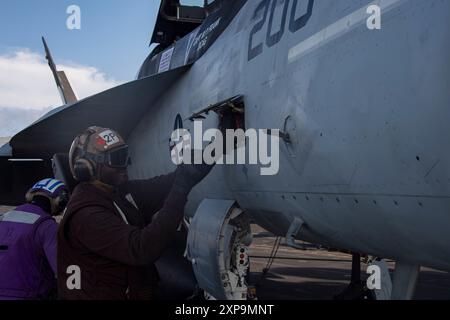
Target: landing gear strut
{"x":357,"y":289}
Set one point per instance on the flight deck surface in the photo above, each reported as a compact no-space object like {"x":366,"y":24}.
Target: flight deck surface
{"x":317,"y":274}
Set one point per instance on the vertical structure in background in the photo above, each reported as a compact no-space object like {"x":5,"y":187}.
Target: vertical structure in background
{"x":64,"y":87}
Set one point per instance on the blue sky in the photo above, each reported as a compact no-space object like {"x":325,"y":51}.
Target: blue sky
{"x":114,"y":35}
{"x":107,"y":51}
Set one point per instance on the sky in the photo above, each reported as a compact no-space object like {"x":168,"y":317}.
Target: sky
{"x":107,"y":51}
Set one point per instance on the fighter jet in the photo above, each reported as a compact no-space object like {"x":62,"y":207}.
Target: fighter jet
{"x":362,"y":115}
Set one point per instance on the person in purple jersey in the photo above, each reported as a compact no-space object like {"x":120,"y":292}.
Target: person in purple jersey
{"x":28,"y":243}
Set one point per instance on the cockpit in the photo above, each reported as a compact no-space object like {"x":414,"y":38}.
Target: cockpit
{"x":177,"y":18}
{"x":204,"y":20}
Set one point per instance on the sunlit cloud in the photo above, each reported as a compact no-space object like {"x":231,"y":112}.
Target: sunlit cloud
{"x":28,"y":90}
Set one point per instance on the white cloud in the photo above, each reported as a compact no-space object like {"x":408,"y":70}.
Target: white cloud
{"x":27,"y":84}
{"x":12,"y":120}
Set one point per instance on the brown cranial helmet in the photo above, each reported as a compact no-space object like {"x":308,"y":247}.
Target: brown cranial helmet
{"x":97,"y":146}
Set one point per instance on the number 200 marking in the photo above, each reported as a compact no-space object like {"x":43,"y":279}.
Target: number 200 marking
{"x":272,"y":39}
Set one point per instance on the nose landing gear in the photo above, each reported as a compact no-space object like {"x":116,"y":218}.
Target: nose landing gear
{"x":218,"y":240}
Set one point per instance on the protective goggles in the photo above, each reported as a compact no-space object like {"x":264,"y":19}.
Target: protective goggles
{"x":118,"y":158}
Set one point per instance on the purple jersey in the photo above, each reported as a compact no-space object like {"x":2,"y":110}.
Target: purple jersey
{"x":27,"y":253}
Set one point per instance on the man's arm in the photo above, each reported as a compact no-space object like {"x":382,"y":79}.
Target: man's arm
{"x":106,"y":234}
{"x":150,"y":194}
{"x":46,"y":237}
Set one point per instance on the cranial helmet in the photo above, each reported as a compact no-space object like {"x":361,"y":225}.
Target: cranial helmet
{"x":97,"y":146}
{"x":54,"y":190}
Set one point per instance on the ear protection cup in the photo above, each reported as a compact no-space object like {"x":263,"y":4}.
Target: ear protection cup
{"x":84,"y":170}
{"x":74,"y":149}
{"x":56,"y":204}
{"x":28,"y":197}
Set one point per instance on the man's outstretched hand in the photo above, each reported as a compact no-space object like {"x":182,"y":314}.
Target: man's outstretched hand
{"x":189,"y":175}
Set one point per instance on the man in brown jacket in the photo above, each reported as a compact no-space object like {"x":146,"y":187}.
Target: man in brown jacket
{"x":110,"y":236}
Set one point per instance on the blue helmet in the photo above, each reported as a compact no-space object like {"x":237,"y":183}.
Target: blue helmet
{"x":52,"y":187}
{"x":55,"y":190}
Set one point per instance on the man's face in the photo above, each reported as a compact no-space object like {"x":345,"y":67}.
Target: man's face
{"x":113,"y":176}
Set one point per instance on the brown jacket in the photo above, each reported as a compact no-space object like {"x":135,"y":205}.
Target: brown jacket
{"x":116,"y":259}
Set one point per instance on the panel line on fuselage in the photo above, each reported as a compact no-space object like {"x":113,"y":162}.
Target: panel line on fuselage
{"x":338,"y":29}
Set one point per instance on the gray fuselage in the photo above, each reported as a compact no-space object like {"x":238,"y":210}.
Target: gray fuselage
{"x":367,"y":110}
